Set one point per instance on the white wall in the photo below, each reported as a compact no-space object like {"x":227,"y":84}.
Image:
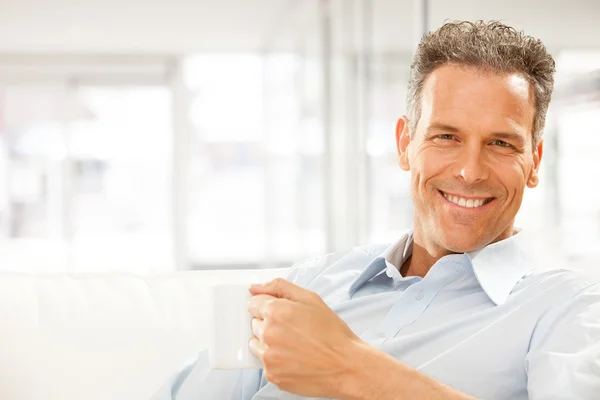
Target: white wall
{"x":137,"y":26}
{"x":558,"y":23}
{"x":184,"y":26}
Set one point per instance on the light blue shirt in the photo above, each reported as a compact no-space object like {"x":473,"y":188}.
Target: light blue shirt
{"x":485,"y":323}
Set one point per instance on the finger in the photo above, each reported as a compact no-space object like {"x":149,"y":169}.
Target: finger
{"x":257,"y":305}
{"x":258,"y":328}
{"x":282,"y":289}
{"x":257,"y":347}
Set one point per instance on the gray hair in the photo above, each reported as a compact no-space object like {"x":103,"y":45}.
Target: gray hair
{"x":492,"y":47}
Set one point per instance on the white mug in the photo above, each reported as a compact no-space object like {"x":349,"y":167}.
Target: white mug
{"x":230,"y":324}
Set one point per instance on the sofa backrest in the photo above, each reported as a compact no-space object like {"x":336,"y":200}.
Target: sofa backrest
{"x":102,"y":337}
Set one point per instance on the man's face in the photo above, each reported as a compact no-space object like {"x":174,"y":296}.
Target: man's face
{"x":470,"y":157}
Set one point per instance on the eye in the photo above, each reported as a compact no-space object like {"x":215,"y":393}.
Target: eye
{"x":447,"y":136}
{"x":500,"y":143}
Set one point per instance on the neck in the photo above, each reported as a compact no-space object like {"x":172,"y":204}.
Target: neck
{"x":425,"y":255}
{"x":421,"y":260}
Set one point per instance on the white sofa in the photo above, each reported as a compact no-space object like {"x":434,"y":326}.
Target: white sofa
{"x":103,"y":336}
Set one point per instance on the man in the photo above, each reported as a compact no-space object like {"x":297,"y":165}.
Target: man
{"x":454,"y":309}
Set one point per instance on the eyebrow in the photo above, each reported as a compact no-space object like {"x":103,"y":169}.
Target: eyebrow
{"x":499,"y":135}
{"x":509,"y":136}
{"x":441,"y":127}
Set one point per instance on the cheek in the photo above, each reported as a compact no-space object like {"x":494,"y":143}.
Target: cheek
{"x":419,"y":177}
{"x":428,"y":163}
{"x":514,"y":178}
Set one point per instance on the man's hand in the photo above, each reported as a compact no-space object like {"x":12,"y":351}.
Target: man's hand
{"x":304,"y":346}
{"x":308,"y":350}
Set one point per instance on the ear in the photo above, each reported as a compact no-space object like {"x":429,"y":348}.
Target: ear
{"x":534,"y":178}
{"x":402,"y":142}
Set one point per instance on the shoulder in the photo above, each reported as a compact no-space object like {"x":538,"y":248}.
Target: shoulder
{"x":575,"y":312}
{"x":562,"y":283}
{"x":563,"y":357}
{"x":334,"y":266}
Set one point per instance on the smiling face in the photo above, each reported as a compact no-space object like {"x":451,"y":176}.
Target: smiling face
{"x":470,"y":157}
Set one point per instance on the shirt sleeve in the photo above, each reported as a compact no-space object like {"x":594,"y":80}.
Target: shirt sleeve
{"x":197,"y":381}
{"x":564,"y":359}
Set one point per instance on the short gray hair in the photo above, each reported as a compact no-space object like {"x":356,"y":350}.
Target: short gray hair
{"x":490,"y":46}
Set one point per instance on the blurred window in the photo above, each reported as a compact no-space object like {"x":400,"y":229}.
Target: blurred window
{"x":85,"y":171}
{"x":574,"y":122}
{"x":390,"y":207}
{"x":255,"y":194}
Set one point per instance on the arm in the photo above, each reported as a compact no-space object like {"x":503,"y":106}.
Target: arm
{"x":197,"y":381}
{"x":379,"y":376}
{"x":308,"y":350}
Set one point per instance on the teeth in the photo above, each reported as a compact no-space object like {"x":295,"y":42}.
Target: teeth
{"x":468,"y":203}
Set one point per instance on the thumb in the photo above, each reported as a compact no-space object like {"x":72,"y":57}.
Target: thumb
{"x":282,"y":289}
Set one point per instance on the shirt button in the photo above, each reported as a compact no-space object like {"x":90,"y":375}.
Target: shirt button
{"x":419,"y":295}
{"x":389,"y":272}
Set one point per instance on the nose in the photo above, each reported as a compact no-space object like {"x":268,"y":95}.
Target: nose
{"x":470,"y":165}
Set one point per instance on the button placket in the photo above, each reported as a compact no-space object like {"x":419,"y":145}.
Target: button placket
{"x":405,"y":311}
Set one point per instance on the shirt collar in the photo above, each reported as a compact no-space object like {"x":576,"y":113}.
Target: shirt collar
{"x":498,"y":267}
{"x":395,"y":254}
{"x":501,"y":265}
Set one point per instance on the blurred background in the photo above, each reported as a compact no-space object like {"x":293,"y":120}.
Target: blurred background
{"x":154,"y":135}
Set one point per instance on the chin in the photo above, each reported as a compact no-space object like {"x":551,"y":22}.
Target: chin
{"x":461,"y":241}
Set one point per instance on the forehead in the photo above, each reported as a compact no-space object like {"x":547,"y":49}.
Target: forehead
{"x":467,"y":96}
